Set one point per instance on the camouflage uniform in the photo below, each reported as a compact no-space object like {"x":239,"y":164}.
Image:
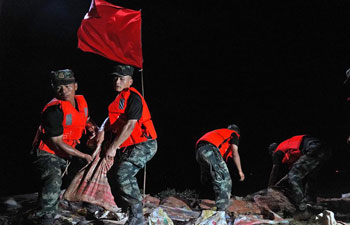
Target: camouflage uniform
{"x":212,"y":165}
{"x":305,"y":170}
{"x":122,"y":174}
{"x":50,"y":169}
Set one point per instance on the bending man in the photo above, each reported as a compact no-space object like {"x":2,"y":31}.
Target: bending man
{"x":212,"y":150}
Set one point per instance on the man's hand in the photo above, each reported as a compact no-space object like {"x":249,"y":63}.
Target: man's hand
{"x":88,"y":158}
{"x":348,"y":140}
{"x":110,"y":153}
{"x":241,"y":174}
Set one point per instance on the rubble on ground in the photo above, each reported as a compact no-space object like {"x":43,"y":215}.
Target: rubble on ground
{"x":341,"y":206}
{"x":268,"y":206}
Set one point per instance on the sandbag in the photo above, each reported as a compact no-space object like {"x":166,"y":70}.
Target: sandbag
{"x":91,"y":184}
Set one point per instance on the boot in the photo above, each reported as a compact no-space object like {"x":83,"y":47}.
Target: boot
{"x":303,"y":215}
{"x":47,"y":220}
{"x":136,"y":215}
{"x":34,"y":219}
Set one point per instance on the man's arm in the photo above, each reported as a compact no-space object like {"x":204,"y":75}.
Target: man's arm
{"x":276,"y":165}
{"x":237,"y":160}
{"x":273,"y":175}
{"x":101,"y":131}
{"x":52,"y":123}
{"x":133,"y":113}
{"x":58,"y":143}
{"x":124,"y":134}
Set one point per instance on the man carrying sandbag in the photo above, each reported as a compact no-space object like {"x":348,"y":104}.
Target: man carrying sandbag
{"x":132,"y":131}
{"x":63,"y":121}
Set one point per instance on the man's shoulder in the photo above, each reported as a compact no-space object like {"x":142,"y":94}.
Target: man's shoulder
{"x":279,"y":154}
{"x":53,"y":108}
{"x":79,"y":97}
{"x":81,"y":100}
{"x":52,"y":113}
{"x":134,"y":97}
{"x":277,"y":157}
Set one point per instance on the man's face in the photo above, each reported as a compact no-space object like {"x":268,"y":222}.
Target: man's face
{"x":122,"y":82}
{"x":65,"y":92}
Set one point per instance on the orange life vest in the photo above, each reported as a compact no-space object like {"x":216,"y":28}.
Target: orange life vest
{"x":220,"y":138}
{"x":291,"y":149}
{"x":144,"y":129}
{"x":73,"y":124}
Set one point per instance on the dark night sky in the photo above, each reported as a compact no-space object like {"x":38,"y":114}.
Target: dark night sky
{"x":276,"y":69}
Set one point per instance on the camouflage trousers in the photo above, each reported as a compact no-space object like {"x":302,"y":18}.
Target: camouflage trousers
{"x":302,"y":176}
{"x":122,"y":174}
{"x":49,"y":168}
{"x":214,"y":168}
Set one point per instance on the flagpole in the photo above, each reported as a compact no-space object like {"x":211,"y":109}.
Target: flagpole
{"x":144,"y":169}
{"x":142,"y":86}
{"x":143,"y":95}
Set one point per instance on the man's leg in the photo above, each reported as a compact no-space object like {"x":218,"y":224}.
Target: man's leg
{"x":131,"y":162}
{"x":209,"y":157}
{"x":311,"y":183}
{"x":49,"y":167}
{"x":204,"y":166}
{"x":302,"y":168}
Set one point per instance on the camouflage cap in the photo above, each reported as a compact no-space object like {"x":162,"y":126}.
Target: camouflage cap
{"x":123,"y":70}
{"x":62,"y":77}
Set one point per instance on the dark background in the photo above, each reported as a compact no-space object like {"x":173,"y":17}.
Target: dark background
{"x":274,"y":68}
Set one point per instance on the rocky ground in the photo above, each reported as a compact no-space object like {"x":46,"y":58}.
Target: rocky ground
{"x":267,"y":206}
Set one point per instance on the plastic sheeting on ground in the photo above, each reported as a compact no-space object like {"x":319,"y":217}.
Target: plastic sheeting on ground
{"x":253,"y":219}
{"x":178,"y":214}
{"x":346,"y":195}
{"x":159,"y":217}
{"x":326,"y":218}
{"x":211,"y":217}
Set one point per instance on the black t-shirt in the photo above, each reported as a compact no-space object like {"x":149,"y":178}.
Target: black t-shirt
{"x":52,"y":119}
{"x":277,"y":157}
{"x":133,"y":109}
{"x":234,"y":139}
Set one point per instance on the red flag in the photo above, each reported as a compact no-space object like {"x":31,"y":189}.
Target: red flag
{"x":113,"y":32}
